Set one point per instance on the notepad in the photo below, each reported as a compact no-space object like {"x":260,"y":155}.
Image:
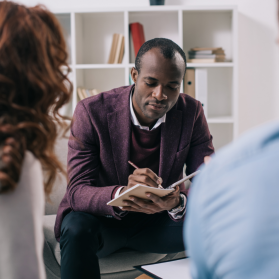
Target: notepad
{"x":139,"y":191}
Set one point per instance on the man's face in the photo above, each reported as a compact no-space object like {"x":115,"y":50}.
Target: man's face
{"x":157,"y":86}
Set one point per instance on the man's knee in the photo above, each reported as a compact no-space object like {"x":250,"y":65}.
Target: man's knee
{"x":79,"y":226}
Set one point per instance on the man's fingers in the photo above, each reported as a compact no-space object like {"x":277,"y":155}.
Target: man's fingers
{"x":149,"y":173}
{"x":131,"y":204}
{"x":143,"y":179}
{"x":154,"y":198}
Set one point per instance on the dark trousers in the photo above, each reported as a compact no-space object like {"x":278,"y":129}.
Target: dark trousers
{"x":86,"y":238}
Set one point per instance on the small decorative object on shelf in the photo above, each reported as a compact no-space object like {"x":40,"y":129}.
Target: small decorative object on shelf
{"x":206,"y":55}
{"x":157,"y":2}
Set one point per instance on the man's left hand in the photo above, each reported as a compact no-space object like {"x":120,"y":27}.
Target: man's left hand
{"x":156,"y":204}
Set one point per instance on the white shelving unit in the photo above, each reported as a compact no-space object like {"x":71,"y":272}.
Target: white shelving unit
{"x":89,"y":33}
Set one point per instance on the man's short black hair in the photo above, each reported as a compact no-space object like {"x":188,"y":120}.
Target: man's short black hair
{"x":167,"y":47}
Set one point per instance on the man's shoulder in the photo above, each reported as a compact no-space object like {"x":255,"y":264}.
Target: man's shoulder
{"x":107,"y":97}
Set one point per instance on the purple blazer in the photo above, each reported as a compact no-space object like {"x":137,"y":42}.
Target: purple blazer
{"x":99,"y":149}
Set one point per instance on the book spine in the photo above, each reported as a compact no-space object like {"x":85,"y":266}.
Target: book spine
{"x":137,"y":35}
{"x":118,"y":49}
{"x":121,"y":51}
{"x":113,"y":49}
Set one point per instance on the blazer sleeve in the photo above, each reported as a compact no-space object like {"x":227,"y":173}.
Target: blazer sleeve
{"x":201,"y":142}
{"x":83,"y":192}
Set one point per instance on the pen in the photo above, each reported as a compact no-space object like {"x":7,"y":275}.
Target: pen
{"x":132,"y":164}
{"x":183,"y":179}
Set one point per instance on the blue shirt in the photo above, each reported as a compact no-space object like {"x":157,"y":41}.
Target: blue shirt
{"x":232,"y":223}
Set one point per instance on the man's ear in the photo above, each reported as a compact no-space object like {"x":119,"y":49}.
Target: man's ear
{"x":134,"y":74}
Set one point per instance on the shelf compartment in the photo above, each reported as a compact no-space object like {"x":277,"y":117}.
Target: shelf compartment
{"x":222,"y":134}
{"x":94,"y":32}
{"x":219,"y":120}
{"x":211,"y":65}
{"x":208,"y":29}
{"x":100,"y":66}
{"x":65,"y":21}
{"x":156,"y":24}
{"x":220,"y":92}
{"x":100,"y":79}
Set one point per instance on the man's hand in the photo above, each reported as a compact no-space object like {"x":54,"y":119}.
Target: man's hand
{"x":156,"y":204}
{"x":143,"y":176}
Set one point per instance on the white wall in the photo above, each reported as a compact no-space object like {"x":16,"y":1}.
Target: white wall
{"x":258,"y":52}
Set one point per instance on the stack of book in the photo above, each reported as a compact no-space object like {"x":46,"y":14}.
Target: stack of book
{"x":137,"y":34}
{"x":85,"y":93}
{"x":117,"y":49}
{"x":206,"y":55}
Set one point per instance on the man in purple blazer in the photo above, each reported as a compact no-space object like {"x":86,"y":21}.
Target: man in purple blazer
{"x":155,"y":127}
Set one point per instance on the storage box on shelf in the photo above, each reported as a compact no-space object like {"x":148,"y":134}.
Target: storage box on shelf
{"x":89,"y":36}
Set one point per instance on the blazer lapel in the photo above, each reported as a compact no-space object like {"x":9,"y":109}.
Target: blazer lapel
{"x":119,"y":124}
{"x":170,"y":137}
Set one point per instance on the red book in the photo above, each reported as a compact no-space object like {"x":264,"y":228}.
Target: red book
{"x":137,"y":36}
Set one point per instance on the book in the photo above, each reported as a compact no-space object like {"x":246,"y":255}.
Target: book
{"x":85,"y":93}
{"x":189,"y":82}
{"x":121,"y":54}
{"x":210,"y":60}
{"x":137,"y":35}
{"x":113,"y":48}
{"x":80,"y":93}
{"x":208,"y":50}
{"x":118,"y":48}
{"x":206,"y":55}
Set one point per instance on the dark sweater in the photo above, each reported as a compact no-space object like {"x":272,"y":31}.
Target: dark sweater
{"x":145,"y":148}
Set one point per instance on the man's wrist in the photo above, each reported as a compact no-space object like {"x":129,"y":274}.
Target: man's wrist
{"x":179,"y":206}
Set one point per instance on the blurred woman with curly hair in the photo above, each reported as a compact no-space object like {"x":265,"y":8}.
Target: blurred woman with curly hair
{"x":33,"y":87}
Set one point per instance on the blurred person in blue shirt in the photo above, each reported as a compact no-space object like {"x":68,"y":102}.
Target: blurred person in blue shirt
{"x":232,"y":224}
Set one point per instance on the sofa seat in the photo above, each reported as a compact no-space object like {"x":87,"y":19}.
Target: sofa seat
{"x":120,"y":261}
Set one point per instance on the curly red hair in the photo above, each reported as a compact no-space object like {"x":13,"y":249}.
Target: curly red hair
{"x":34,"y":85}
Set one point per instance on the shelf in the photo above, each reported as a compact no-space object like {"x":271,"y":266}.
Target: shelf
{"x":89,"y":31}
{"x":217,"y":120}
{"x":210,"y":65}
{"x":100,"y":66}
{"x":203,"y":65}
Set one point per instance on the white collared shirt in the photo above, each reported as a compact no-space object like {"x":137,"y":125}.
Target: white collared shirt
{"x":136,"y":122}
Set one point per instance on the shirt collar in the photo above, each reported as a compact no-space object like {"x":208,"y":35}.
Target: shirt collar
{"x":135,"y":120}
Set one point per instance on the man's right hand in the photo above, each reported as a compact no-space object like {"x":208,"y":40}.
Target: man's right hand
{"x":143,"y":176}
